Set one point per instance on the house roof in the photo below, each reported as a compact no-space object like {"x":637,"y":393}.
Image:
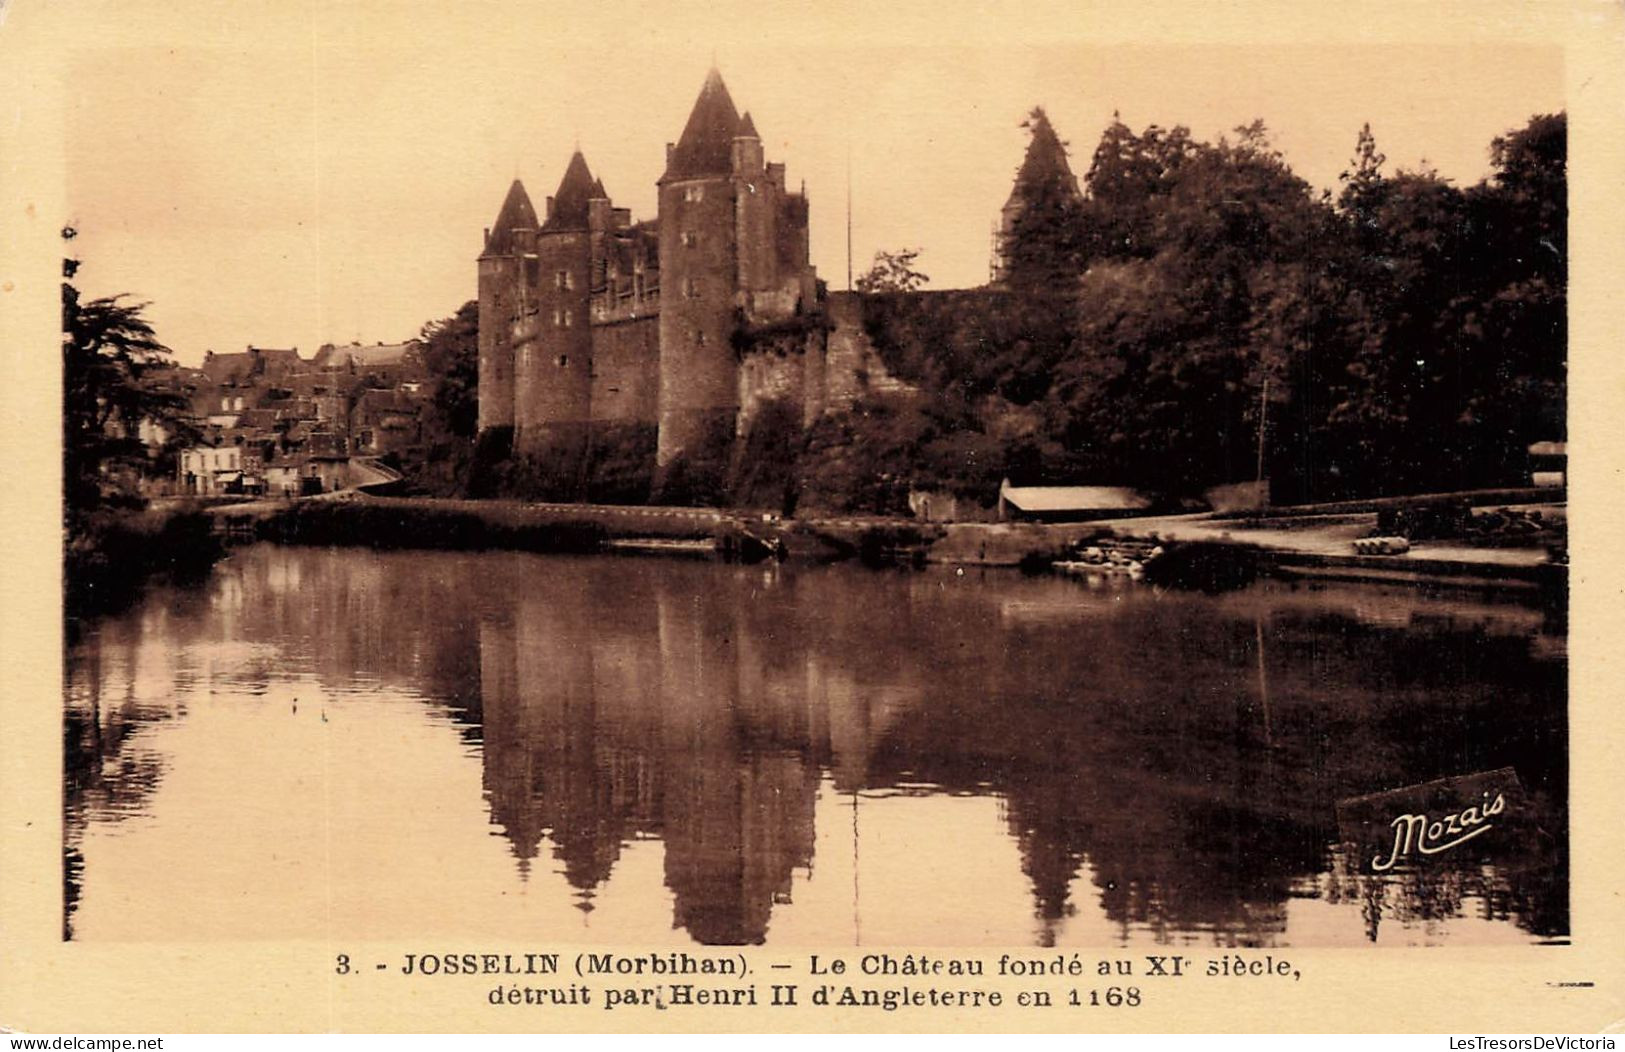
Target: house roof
{"x":381,"y":401}
{"x":516,"y":214}
{"x":362,"y":356}
{"x":706,"y":145}
{"x":1074,"y":498}
{"x":234,"y":365}
{"x":576,"y":188}
{"x":278,"y":360}
{"x":260,"y":419}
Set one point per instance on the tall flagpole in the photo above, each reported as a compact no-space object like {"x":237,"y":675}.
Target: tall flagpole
{"x":849,"y":215}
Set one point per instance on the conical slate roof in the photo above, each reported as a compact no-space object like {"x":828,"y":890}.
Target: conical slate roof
{"x":1045,"y":164}
{"x":706,"y":145}
{"x":747,"y":128}
{"x":570,"y":199}
{"x":516,"y":214}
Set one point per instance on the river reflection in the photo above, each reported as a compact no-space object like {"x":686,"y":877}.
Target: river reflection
{"x":340,"y":742}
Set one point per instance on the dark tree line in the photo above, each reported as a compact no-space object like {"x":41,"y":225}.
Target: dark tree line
{"x":1401,"y":335}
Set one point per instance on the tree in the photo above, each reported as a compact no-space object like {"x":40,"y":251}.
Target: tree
{"x":1456,"y":317}
{"x":1128,"y":182}
{"x":451,"y":357}
{"x":112,"y":365}
{"x":1043,"y":246}
{"x":893,"y":272}
{"x":1188,"y":309}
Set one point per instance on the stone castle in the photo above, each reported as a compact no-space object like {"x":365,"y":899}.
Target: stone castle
{"x":629,"y":361}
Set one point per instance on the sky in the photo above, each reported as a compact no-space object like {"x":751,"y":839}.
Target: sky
{"x":293,"y":174}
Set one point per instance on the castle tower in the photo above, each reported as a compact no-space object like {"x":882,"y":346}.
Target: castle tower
{"x":732,"y":254}
{"x":553,"y":358}
{"x":699,"y":396}
{"x":509,"y":244}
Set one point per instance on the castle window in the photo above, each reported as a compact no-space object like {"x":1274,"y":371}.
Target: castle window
{"x":694,"y":193}
{"x":691,"y":288}
{"x":563,"y":360}
{"x":566,"y":319}
{"x":699,"y":338}
{"x":558,"y":317}
{"x":690,"y":239}
{"x":563,"y":279}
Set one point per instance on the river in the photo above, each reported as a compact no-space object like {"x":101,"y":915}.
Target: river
{"x":347,"y":743}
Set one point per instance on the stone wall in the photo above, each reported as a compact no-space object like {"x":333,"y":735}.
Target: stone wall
{"x":626,"y":370}
{"x":853,"y":368}
{"x":776,"y":371}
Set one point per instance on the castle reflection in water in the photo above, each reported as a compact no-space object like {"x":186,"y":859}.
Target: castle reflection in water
{"x":1167,"y":762}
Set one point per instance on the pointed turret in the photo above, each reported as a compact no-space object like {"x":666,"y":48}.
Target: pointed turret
{"x":706,"y":145}
{"x":747,"y":128}
{"x":1044,"y":181}
{"x":568,"y":207}
{"x":1045,"y":165}
{"x":516,"y":214}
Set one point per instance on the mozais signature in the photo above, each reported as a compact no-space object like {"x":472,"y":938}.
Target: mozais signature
{"x":1415,"y":822}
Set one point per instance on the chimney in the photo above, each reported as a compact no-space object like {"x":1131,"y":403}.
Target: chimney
{"x":747,"y":155}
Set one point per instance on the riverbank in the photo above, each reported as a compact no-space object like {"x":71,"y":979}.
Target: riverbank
{"x":1321,"y":545}
{"x":1290,"y":543}
{"x":110,"y":555}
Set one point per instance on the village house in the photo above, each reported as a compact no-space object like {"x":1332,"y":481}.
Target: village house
{"x":208,"y":471}
{"x":275,"y":423}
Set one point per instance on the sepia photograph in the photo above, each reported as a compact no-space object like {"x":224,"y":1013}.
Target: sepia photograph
{"x":763,"y":495}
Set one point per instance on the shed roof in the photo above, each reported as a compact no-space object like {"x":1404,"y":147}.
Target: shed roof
{"x":1074,"y":498}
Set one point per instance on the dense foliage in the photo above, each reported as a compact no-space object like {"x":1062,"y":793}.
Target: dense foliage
{"x":451,"y":357}
{"x":893,"y":272}
{"x":1200,"y":299}
{"x":116,"y":379}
